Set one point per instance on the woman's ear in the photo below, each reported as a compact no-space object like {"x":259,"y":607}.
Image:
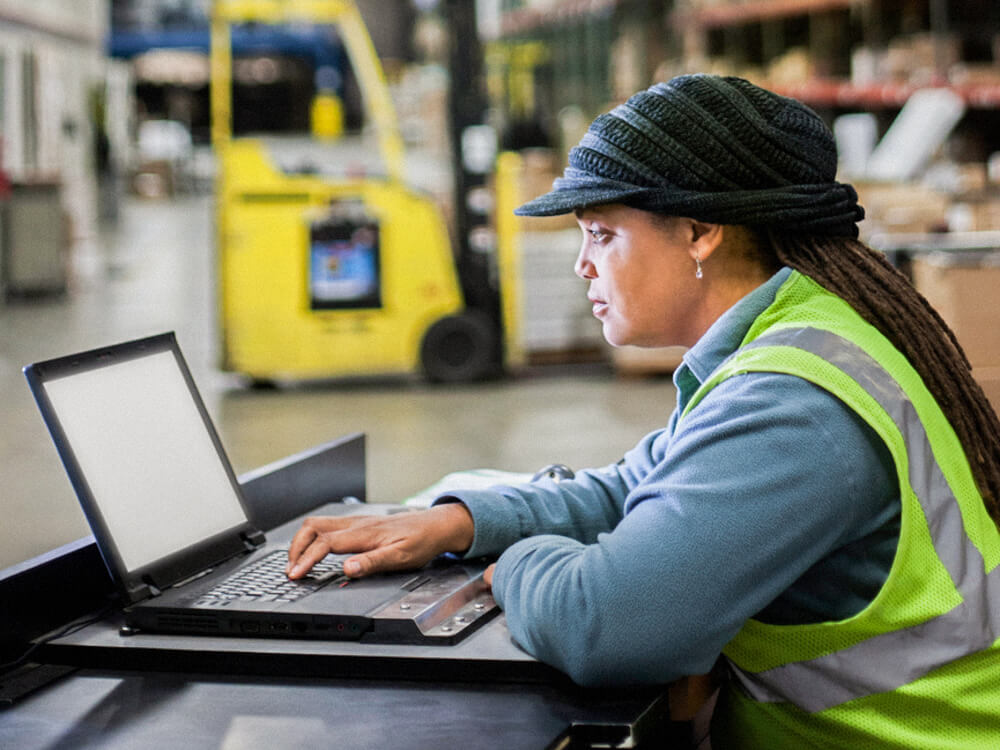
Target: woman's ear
{"x":705,"y":238}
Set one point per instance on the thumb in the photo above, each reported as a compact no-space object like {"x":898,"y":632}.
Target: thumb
{"x":357,"y":566}
{"x":374,"y":561}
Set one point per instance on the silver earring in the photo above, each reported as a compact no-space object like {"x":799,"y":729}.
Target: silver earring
{"x":697,"y":269}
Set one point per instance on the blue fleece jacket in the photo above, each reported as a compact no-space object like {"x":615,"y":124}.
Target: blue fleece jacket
{"x":771,"y":500}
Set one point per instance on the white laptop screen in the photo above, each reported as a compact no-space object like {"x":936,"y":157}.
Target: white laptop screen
{"x":150,"y":462}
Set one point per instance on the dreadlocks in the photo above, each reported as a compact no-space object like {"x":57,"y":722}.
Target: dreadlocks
{"x":886,"y":299}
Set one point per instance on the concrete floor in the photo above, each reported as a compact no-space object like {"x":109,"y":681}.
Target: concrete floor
{"x":152,"y":272}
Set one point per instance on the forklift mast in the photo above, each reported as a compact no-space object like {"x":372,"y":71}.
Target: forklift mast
{"x":475,"y":242}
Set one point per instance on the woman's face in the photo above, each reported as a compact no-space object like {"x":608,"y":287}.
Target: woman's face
{"x":641,"y":270}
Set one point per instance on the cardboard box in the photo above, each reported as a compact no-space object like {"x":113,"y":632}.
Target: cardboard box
{"x":962,"y":287}
{"x":974,"y":74}
{"x":985,"y":214}
{"x":989,"y":380}
{"x":975,"y":215}
{"x":539,"y":167}
{"x":901,"y":207}
{"x":916,"y":58}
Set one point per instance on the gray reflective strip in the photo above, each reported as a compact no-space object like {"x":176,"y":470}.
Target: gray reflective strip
{"x":890,"y":660}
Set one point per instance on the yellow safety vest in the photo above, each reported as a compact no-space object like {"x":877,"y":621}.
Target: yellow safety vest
{"x":919,"y":667}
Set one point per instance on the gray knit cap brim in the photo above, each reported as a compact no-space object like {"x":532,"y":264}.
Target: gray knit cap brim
{"x":569,"y":199}
{"x":711,"y":148}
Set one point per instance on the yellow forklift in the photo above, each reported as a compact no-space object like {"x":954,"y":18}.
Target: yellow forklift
{"x":353,"y":275}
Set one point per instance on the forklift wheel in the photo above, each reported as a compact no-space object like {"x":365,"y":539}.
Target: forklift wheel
{"x":459,"y":348}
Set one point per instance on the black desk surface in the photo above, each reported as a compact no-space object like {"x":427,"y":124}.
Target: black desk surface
{"x":202,"y":693}
{"x":127,"y":711}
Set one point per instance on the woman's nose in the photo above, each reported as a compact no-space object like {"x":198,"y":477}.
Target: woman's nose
{"x":583,"y":266}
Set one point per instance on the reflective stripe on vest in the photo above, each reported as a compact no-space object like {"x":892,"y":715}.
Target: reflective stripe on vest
{"x":890,"y":660}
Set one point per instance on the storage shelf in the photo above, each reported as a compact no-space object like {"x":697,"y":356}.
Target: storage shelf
{"x":837,"y":93}
{"x":748,"y":12}
{"x":529,"y":19}
{"x":955,"y":242}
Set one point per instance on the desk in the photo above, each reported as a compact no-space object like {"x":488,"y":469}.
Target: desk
{"x":125,"y":711}
{"x":195,"y":693}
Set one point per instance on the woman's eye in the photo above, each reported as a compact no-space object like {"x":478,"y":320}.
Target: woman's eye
{"x":597,"y":234}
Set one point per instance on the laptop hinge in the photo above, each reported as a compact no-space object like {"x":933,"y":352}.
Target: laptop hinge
{"x":253,"y":539}
{"x":143,"y":591}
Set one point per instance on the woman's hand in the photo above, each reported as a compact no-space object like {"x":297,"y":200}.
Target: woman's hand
{"x":383,"y":543}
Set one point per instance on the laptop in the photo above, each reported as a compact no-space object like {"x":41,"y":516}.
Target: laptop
{"x":169,"y":519}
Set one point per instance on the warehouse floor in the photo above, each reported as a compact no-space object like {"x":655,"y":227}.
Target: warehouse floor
{"x":153,"y":271}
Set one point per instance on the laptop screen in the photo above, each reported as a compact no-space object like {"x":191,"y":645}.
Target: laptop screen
{"x":145,"y":452}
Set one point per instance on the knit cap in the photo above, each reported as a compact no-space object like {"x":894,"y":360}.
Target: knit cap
{"x":712,"y":148}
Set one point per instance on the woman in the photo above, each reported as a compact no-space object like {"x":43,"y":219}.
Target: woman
{"x":821,"y":508}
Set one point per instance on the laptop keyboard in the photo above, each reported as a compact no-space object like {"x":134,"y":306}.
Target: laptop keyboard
{"x":265,"y":581}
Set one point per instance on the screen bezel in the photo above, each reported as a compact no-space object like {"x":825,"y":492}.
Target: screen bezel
{"x":138,"y":583}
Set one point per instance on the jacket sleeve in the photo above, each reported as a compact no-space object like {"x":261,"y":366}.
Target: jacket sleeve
{"x":756,"y":486}
{"x":580,"y":508}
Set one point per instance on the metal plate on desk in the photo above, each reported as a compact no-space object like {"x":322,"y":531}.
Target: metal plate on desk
{"x":437,"y":608}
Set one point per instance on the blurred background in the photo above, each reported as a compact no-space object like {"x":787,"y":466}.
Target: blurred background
{"x":316,"y":196}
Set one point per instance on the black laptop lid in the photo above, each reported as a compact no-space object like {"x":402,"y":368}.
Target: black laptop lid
{"x":144,"y":460}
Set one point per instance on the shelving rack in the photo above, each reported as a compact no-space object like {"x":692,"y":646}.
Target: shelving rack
{"x":838,"y":56}
{"x":747,"y":36}
{"x":725,"y":14}
{"x":829,"y":31}
{"x":833,"y":93}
